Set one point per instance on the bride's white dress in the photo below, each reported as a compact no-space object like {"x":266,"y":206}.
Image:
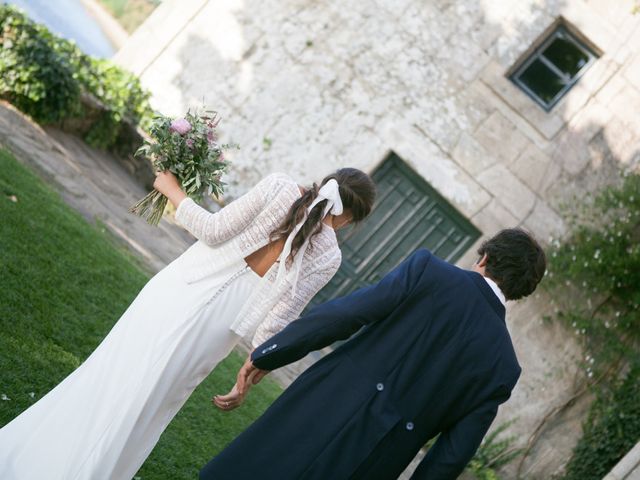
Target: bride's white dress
{"x":103,"y":420}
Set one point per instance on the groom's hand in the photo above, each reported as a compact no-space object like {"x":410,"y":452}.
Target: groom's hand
{"x":249,"y":375}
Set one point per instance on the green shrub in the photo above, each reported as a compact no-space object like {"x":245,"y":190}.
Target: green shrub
{"x":594,"y":277}
{"x":44,"y":76}
{"x":613,"y":428}
{"x":493,"y":453}
{"x":33,"y":76}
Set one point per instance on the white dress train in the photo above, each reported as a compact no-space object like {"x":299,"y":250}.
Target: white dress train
{"x":104,"y":419}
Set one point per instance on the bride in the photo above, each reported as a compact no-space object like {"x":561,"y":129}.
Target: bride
{"x":255,"y":266}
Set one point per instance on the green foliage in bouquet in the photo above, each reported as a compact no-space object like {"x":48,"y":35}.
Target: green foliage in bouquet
{"x":594,"y":279}
{"x":45,"y":76}
{"x":188,"y":148}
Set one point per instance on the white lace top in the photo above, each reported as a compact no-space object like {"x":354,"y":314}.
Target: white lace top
{"x":241,"y":228}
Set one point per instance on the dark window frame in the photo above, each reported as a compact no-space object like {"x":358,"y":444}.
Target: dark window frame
{"x":537,"y":54}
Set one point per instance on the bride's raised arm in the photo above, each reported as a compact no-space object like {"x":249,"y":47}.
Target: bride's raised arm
{"x":216,"y":228}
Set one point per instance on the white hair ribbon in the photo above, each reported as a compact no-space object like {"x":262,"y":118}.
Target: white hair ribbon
{"x":330,"y":192}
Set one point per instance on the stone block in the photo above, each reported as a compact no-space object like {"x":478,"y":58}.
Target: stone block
{"x":464,"y":58}
{"x":571,"y":151}
{"x":500,"y":137}
{"x":437,"y":168}
{"x":626,"y":105}
{"x":531,"y":167}
{"x":623,"y":142}
{"x":551,"y":176}
{"x":439,"y":121}
{"x":426,"y":23}
{"x":509,"y":190}
{"x":591,"y":119}
{"x":474,"y":105}
{"x":632,"y":71}
{"x":472,"y":156}
{"x":493,"y":218}
{"x":610,"y":89}
{"x":147,"y":42}
{"x":547,"y":123}
{"x":545,"y":223}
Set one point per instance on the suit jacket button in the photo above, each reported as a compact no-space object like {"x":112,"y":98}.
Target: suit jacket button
{"x":409,"y":426}
{"x":380,"y":387}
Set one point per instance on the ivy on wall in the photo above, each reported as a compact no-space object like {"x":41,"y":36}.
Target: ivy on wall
{"x":594,"y":277}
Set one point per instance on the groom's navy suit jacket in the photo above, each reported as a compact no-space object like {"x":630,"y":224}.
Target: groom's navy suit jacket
{"x":434,"y":357}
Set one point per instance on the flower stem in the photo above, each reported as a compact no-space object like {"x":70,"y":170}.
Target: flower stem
{"x":151,"y":207}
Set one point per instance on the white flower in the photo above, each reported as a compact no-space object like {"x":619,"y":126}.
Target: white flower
{"x":4,"y":397}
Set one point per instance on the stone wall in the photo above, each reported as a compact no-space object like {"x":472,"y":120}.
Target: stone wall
{"x":305,"y":87}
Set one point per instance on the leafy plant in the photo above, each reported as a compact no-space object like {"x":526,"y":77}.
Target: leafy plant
{"x":612,"y":429}
{"x":599,"y":266}
{"x":493,"y":453}
{"x":33,"y":76}
{"x":594,"y":277}
{"x":45,"y":76}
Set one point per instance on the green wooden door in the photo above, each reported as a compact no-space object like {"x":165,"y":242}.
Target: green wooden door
{"x":408,"y":215}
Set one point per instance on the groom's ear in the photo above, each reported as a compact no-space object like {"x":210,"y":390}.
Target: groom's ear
{"x":482,"y":261}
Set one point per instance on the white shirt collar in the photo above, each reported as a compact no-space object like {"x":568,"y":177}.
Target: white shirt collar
{"x":496,"y":289}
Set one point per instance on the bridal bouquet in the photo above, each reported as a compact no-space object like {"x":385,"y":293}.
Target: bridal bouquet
{"x":188,"y":148}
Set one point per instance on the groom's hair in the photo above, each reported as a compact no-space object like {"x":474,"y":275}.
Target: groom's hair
{"x":515,"y":261}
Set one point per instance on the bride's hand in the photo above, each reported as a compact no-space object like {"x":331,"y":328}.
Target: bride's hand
{"x":231,"y":400}
{"x":167,"y":184}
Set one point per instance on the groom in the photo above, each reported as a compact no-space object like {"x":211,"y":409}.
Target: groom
{"x":433,"y":357}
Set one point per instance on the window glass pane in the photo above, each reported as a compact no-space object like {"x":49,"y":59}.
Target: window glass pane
{"x":565,"y":55}
{"x":542,"y":81}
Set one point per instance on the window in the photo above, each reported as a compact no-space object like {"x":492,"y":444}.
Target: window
{"x":553,"y":68}
{"x":409,"y":214}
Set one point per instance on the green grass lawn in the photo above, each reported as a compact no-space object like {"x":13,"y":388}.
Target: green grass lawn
{"x":63,"y":284}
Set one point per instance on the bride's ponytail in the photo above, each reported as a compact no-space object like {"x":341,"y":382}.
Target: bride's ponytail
{"x":357,"y":192}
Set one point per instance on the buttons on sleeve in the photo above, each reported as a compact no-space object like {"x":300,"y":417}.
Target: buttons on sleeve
{"x":409,"y":426}
{"x":380,"y":387}
{"x":268,"y":349}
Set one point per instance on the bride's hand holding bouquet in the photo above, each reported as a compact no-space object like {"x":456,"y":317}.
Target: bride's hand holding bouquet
{"x":189,"y":161}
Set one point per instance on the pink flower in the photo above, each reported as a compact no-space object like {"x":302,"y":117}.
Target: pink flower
{"x":180,"y":125}
{"x":189,"y":142}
